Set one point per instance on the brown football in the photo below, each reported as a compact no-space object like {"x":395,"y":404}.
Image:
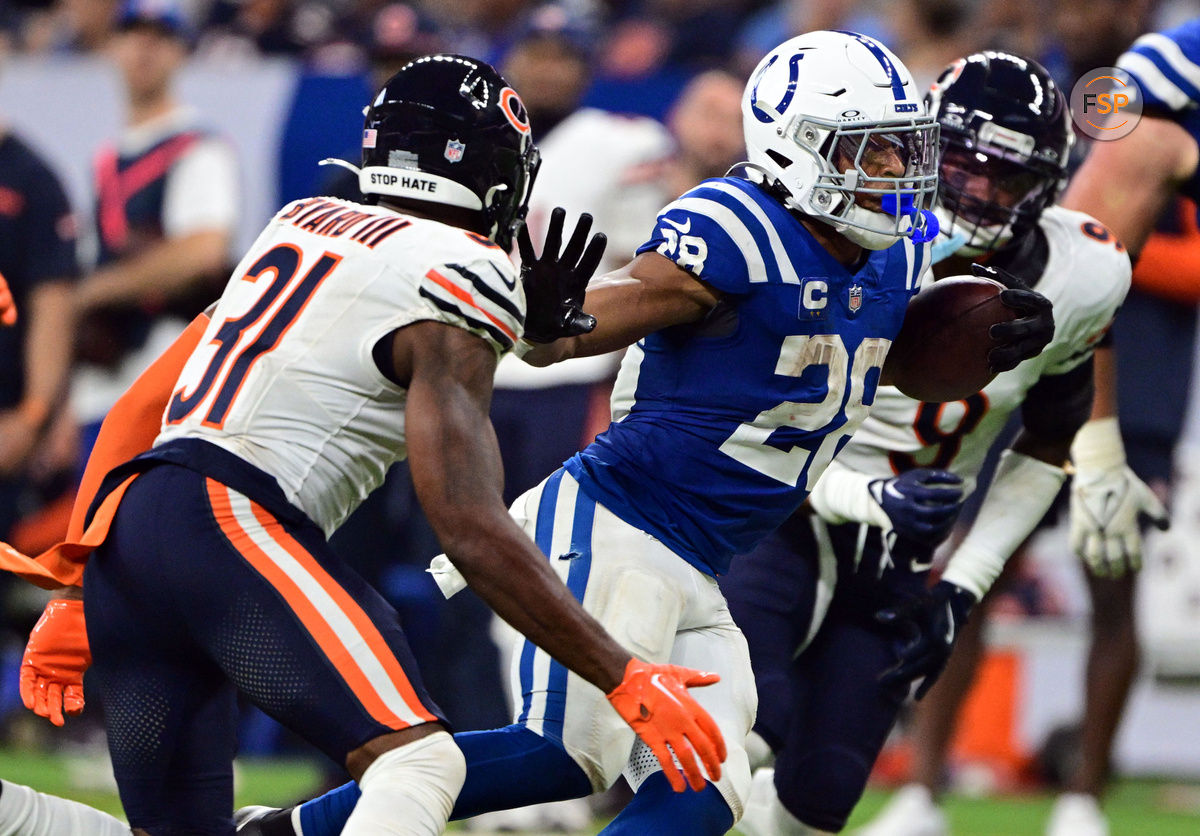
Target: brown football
{"x":941,"y":352}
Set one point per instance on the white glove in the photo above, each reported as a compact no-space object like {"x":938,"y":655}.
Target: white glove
{"x":1107,"y":499}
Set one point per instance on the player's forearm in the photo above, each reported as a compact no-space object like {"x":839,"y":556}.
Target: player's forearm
{"x":1104,"y":403}
{"x":648,"y":294}
{"x":1022,"y":490}
{"x":161,"y":272}
{"x":1126,"y":183}
{"x":47,"y":350}
{"x":503,"y":566}
{"x":516,"y":581}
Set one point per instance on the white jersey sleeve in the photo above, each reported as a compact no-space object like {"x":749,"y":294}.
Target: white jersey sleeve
{"x":285,"y":377}
{"x":1086,"y":276}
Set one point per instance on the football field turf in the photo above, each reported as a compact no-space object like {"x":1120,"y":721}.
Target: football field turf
{"x":1135,"y":807}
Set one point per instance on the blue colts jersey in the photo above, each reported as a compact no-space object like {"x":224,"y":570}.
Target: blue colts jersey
{"x":1166,"y":66}
{"x":722,"y":427}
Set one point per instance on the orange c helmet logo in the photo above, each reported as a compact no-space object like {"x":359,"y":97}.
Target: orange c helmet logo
{"x":514,"y":110}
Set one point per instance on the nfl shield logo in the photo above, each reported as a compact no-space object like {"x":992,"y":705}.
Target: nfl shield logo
{"x":454,"y":150}
{"x":856,"y":298}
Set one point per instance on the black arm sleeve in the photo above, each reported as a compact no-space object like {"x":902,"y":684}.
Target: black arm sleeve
{"x":1058,"y":405}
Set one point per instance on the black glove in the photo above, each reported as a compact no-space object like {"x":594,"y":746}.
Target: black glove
{"x":1028,"y":334}
{"x":928,"y":623}
{"x":555,"y":284}
{"x":922,"y":503}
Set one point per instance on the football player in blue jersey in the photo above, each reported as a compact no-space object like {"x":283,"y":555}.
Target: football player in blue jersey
{"x":836,"y":604}
{"x":759,"y":315}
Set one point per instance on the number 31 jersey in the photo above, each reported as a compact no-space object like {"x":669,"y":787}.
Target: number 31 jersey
{"x":284,"y":376}
{"x":722,"y":427}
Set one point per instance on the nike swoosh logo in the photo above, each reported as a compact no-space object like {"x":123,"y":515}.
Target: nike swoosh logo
{"x":656,"y":682}
{"x":1107,"y":507}
{"x":891,"y":490}
{"x":950,"y":625}
{"x":684,"y":228}
{"x":511,"y":285}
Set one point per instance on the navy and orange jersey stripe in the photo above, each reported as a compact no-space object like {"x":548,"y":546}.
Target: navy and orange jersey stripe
{"x":473,"y":296}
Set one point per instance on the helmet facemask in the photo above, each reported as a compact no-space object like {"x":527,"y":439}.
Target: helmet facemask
{"x":992,"y":191}
{"x":854,"y":190}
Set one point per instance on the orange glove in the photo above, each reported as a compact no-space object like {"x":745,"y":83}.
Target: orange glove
{"x":8,"y":308}
{"x":54,"y":661}
{"x":653,"y":699}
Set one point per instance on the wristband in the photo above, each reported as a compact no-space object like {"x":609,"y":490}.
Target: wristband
{"x":1098,"y":445}
{"x":843,"y":495}
{"x":1021,"y":492}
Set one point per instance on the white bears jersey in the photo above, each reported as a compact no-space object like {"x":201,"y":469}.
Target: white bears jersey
{"x":1086,"y":276}
{"x":284,"y":376}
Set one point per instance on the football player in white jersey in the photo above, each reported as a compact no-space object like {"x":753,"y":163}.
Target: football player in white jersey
{"x":348,"y":336}
{"x":835,"y":605}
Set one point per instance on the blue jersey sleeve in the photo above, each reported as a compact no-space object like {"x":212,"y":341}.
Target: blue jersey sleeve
{"x":708,"y":232}
{"x":1166,"y":66}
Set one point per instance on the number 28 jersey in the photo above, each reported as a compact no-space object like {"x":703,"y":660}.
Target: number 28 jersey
{"x":722,"y":427}
{"x":284,"y":376}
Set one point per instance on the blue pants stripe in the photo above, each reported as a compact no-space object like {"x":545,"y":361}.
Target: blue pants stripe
{"x":543,"y":534}
{"x":577,"y":578}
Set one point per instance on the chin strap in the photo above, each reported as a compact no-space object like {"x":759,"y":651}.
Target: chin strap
{"x":925,"y":226}
{"x":342,"y":163}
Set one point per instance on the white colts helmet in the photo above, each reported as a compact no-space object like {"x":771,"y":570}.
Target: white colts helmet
{"x":830,"y":94}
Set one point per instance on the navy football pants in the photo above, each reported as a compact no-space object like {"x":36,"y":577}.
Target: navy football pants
{"x":200,"y":592}
{"x":820,"y":706}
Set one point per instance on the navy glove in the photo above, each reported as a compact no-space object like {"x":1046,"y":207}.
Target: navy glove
{"x":928,"y":623}
{"x":555,"y":284}
{"x":1029,"y":333}
{"x":921,"y":503}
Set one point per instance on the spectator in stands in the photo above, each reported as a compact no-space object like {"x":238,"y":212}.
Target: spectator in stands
{"x":70,"y":26}
{"x":775,"y":23}
{"x":930,"y":34}
{"x":265,"y":27}
{"x":37,"y":258}
{"x":166,"y":205}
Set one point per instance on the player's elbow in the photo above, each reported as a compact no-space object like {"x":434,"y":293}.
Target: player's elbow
{"x":466,"y":533}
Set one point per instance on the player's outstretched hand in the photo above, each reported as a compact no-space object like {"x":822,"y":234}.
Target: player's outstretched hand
{"x":928,"y":624}
{"x":653,"y":699}
{"x":8,"y":307}
{"x":54,"y":662}
{"x":555,"y":283}
{"x":922,"y":504}
{"x":1031,"y":331}
{"x":1106,"y":506}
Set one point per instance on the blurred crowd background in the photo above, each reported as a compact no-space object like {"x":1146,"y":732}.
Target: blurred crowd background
{"x":177,"y":128}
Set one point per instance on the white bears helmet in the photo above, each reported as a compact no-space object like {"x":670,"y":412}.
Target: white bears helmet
{"x":830,"y":95}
